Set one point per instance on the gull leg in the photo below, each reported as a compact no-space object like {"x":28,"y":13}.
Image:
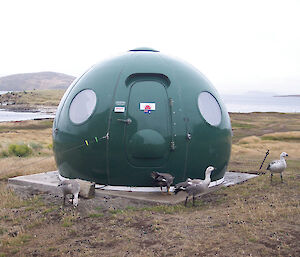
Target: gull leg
{"x":64,"y":200}
{"x":186,"y":201}
{"x":193,"y":200}
{"x":75,"y":200}
{"x":161,"y":190}
{"x":281,"y":177}
{"x":168,"y":190}
{"x":271,"y":177}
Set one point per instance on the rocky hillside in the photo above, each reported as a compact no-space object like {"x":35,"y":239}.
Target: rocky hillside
{"x":39,"y":80}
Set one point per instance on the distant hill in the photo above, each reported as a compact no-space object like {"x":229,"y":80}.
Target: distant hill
{"x":38,"y":80}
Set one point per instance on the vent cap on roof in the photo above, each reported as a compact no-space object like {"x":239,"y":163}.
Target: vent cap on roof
{"x":145,"y":49}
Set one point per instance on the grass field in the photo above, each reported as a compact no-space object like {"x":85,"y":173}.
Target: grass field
{"x":251,"y":219}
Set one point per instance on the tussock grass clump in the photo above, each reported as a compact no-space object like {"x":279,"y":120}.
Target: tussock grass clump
{"x":20,"y":150}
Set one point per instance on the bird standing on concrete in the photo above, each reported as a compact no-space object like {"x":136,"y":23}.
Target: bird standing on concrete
{"x":70,"y":186}
{"x":195,"y":187}
{"x":163,"y":180}
{"x":278,"y":166}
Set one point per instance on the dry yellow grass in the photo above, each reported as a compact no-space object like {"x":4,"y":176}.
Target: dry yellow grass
{"x":17,"y":166}
{"x":26,"y":131}
{"x":36,"y":134}
{"x":248,"y":153}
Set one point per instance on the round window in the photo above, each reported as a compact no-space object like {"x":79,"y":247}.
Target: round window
{"x":209,"y":108}
{"x":82,"y":106}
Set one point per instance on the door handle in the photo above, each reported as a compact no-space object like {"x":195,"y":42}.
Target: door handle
{"x":127,"y":121}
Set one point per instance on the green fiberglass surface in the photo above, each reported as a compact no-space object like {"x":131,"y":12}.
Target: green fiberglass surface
{"x":138,"y":113}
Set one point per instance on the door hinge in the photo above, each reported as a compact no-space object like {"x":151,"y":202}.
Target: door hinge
{"x":172,"y":146}
{"x":127,"y":121}
{"x":188,"y":136}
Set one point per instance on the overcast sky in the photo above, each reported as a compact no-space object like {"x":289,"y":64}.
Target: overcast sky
{"x":239,"y":45}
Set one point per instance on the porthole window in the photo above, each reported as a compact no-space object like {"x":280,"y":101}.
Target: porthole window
{"x":209,"y":108}
{"x":82,"y":106}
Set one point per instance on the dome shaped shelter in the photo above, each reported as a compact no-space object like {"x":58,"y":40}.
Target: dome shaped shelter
{"x":137,"y":113}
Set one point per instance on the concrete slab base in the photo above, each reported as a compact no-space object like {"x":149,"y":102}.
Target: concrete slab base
{"x":48,"y":181}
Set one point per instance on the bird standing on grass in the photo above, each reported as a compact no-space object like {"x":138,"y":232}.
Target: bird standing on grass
{"x":195,"y":187}
{"x":163,"y":180}
{"x":278,"y":166}
{"x":70,"y":186}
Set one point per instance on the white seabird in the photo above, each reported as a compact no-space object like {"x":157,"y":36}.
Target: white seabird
{"x":195,"y":187}
{"x":70,"y":186}
{"x":278,"y":166}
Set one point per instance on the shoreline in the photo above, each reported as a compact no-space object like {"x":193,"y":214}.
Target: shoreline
{"x":28,"y":108}
{"x":52,"y":109}
{"x":50,"y":112}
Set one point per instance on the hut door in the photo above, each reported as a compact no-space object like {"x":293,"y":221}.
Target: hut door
{"x":147,"y":134}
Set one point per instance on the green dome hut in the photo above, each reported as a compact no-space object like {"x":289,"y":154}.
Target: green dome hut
{"x":140,"y":112}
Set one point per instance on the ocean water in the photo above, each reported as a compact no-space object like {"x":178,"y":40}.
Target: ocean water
{"x":261,"y":103}
{"x":18,"y":116}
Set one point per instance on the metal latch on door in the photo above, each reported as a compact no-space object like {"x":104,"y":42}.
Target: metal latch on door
{"x":127,"y":121}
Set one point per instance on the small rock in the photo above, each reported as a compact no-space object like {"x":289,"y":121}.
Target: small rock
{"x":87,"y":189}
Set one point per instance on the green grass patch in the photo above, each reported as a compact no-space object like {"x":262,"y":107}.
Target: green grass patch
{"x":20,"y":150}
{"x":241,"y":125}
{"x":116,"y":211}
{"x":281,"y":138}
{"x":52,"y":209}
{"x":132,"y":208}
{"x":67,"y":222}
{"x":96,"y":215}
{"x":166,"y":209}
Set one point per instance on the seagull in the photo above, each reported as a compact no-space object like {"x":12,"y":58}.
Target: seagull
{"x":70,"y":186}
{"x":195,"y":187}
{"x":278,"y":166}
{"x":163,"y":179}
